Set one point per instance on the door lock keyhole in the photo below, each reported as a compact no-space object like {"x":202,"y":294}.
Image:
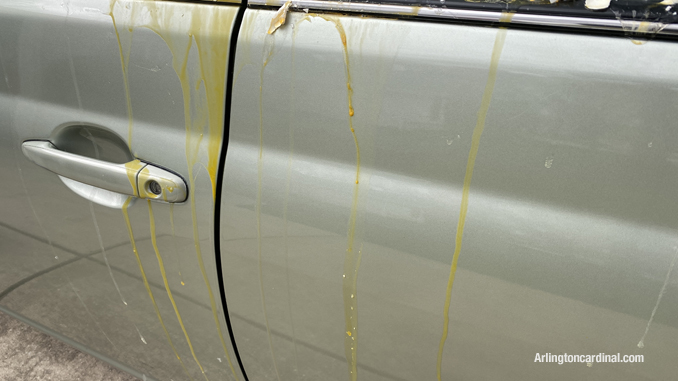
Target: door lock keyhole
{"x":154,"y":187}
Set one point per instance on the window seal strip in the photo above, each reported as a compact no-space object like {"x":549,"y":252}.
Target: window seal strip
{"x":527,"y":19}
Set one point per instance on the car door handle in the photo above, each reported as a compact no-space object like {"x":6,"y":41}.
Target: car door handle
{"x":135,"y":178}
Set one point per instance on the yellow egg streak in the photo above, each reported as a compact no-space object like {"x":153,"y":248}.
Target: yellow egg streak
{"x":475,"y":143}
{"x":180,"y":26}
{"x":148,"y":287}
{"x":167,"y":287}
{"x":351,"y":260}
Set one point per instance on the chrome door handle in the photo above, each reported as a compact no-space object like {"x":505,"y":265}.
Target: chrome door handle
{"x":134,"y":178}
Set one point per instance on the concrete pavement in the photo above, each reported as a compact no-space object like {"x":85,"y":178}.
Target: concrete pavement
{"x":28,"y":354}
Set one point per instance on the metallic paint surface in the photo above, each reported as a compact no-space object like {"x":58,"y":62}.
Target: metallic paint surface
{"x":571,"y":216}
{"x":60,"y":65}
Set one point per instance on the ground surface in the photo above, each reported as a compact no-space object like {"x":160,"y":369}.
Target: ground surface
{"x":28,"y":354}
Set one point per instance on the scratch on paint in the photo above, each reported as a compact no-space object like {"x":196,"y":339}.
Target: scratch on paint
{"x":103,"y":250}
{"x":641,"y":343}
{"x":161,"y":265}
{"x":475,"y":143}
{"x":90,"y":314}
{"x":148,"y":287}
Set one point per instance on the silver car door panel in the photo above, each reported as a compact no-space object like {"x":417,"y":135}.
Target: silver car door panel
{"x":362,"y":151}
{"x":135,"y":283}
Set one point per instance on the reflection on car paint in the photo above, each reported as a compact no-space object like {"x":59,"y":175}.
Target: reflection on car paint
{"x":473,"y":152}
{"x":148,"y":287}
{"x":203,"y":102}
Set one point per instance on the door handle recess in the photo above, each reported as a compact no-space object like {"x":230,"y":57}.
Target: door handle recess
{"x":134,"y":178}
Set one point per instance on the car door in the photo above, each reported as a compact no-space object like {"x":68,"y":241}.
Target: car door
{"x":368,"y":141}
{"x":92,"y":90}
